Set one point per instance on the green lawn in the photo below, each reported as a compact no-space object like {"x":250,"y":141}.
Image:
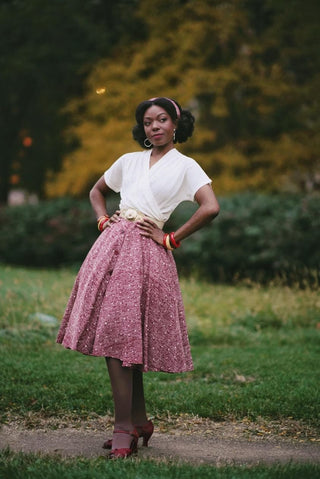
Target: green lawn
{"x":256,"y":355}
{"x":28,"y":466}
{"x":255,"y":352}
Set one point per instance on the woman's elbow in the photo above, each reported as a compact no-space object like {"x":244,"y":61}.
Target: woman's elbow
{"x":92,"y":193}
{"x":95,"y":192}
{"x":98,"y":190}
{"x":212,"y":211}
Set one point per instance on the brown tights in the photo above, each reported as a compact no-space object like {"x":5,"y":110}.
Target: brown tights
{"x":129,"y":402}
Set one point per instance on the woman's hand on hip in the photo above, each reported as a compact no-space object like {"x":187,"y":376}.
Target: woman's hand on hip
{"x":150,"y":230}
{"x":113,"y":219}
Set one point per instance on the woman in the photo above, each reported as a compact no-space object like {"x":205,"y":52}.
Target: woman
{"x":126,"y":302}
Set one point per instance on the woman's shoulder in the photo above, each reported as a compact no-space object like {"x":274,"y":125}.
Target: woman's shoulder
{"x":190,"y":167}
{"x":184,"y":159}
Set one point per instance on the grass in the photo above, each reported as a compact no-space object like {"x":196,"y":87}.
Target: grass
{"x":255,"y":351}
{"x":28,"y":466}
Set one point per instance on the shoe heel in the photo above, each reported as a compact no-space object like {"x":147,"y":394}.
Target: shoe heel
{"x":146,"y":432}
{"x":145,"y":441}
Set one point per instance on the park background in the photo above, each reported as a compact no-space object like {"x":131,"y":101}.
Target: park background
{"x":71,"y":76}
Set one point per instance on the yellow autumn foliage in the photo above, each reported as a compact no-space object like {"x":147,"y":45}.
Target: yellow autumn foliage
{"x":204,"y":55}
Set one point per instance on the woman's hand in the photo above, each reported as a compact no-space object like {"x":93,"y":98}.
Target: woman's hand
{"x":150,"y":230}
{"x":113,"y":219}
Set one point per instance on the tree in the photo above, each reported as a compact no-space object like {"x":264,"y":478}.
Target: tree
{"x":247,"y":69}
{"x":47,"y":49}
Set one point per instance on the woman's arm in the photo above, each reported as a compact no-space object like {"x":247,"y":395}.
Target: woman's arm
{"x":208,"y":209}
{"x":97,"y":197}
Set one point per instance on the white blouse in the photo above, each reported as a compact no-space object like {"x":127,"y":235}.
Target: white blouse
{"x":158,"y":190}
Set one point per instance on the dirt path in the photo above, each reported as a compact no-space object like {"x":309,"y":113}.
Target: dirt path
{"x":206,"y":442}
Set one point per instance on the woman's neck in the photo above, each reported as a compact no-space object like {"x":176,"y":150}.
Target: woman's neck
{"x":159,"y":151}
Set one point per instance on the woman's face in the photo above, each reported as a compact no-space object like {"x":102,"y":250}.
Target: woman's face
{"x":158,"y":126}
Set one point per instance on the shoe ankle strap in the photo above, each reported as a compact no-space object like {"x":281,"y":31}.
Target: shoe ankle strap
{"x":122,"y":431}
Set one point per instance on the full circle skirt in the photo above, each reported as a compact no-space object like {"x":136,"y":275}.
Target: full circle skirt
{"x":126,"y":303}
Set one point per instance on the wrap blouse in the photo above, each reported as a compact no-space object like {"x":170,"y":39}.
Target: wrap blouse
{"x":158,"y":190}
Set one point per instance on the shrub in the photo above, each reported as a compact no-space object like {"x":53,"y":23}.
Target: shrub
{"x":260,"y":237}
{"x":52,"y":233}
{"x":255,"y":236}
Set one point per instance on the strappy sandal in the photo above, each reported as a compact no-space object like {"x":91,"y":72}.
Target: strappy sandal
{"x":145,"y":432}
{"x":122,"y":453}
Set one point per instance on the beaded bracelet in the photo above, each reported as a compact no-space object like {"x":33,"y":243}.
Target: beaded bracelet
{"x":102,"y":221}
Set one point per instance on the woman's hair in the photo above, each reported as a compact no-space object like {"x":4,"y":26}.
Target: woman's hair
{"x":185,"y":125}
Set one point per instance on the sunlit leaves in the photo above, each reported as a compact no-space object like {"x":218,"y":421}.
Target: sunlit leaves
{"x":233,"y":65}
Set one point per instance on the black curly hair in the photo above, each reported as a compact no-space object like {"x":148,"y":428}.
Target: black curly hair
{"x":185,"y":124}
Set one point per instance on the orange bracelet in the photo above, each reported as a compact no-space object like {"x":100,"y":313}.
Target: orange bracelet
{"x":168,"y":244}
{"x":101,"y":221}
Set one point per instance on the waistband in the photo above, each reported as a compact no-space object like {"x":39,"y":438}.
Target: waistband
{"x":131,"y":214}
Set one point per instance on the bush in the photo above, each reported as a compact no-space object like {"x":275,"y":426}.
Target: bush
{"x":255,"y":236}
{"x":260,"y":237}
{"x":52,"y":233}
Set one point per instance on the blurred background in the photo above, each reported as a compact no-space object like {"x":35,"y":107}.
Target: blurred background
{"x":71,"y":75}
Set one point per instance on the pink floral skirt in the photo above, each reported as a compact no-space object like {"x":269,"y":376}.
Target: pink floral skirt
{"x":126,"y":303}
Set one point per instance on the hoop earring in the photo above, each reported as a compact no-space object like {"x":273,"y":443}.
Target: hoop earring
{"x":147,"y":143}
{"x":174,"y":135}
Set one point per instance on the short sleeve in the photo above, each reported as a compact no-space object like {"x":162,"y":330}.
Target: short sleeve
{"x":114,"y":175}
{"x":195,"y":178}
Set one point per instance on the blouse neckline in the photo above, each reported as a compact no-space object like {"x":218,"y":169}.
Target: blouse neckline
{"x":160,"y":159}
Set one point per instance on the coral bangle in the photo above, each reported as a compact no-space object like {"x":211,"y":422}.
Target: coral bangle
{"x":174,"y":243}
